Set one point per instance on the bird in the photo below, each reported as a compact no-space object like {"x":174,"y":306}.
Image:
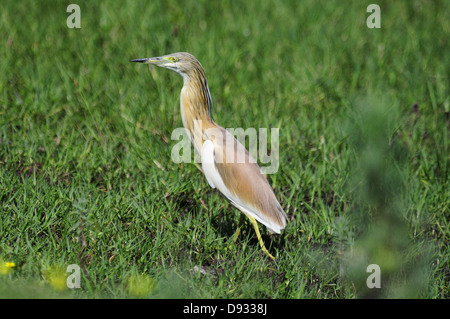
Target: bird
{"x":240,"y":181}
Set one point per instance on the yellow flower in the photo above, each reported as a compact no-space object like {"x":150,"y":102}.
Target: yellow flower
{"x":56,"y":277}
{"x":141,"y":285}
{"x":6,"y":267}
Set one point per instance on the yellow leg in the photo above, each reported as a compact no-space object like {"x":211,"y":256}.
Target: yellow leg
{"x":238,"y":231}
{"x":236,"y":235}
{"x":261,"y":243}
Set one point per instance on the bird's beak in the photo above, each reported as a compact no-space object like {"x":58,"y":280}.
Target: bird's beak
{"x":156,"y":60}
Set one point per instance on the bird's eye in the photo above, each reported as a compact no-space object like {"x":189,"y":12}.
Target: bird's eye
{"x":173,"y":59}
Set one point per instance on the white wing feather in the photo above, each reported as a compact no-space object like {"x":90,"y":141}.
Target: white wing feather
{"x":208,"y":166}
{"x":215,"y":181}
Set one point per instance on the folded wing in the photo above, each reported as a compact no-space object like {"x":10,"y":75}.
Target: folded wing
{"x":229,"y":167}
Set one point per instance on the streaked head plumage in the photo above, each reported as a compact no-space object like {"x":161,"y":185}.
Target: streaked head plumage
{"x":181,"y":62}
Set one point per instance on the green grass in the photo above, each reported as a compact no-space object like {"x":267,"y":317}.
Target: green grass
{"x":86,"y":176}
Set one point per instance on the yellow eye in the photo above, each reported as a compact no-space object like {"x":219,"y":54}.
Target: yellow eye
{"x":172,"y":58}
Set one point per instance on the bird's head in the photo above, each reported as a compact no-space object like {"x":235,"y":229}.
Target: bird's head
{"x":181,"y":62}
{"x":189,"y":68}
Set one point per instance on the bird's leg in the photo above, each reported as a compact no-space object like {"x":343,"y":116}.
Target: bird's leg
{"x":238,"y":230}
{"x":261,"y":243}
{"x":236,"y":235}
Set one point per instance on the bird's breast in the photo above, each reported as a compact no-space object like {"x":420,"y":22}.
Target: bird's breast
{"x":192,"y":122}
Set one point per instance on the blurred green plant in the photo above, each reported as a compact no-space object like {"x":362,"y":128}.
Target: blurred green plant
{"x":378,"y":215}
{"x":141,"y":285}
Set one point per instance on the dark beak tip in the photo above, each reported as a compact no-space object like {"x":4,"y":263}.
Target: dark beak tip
{"x":138,"y":60}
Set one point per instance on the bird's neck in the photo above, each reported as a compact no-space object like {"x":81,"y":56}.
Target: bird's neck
{"x":196,"y":104}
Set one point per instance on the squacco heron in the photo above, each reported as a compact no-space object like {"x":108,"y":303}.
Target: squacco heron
{"x":241,"y":182}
